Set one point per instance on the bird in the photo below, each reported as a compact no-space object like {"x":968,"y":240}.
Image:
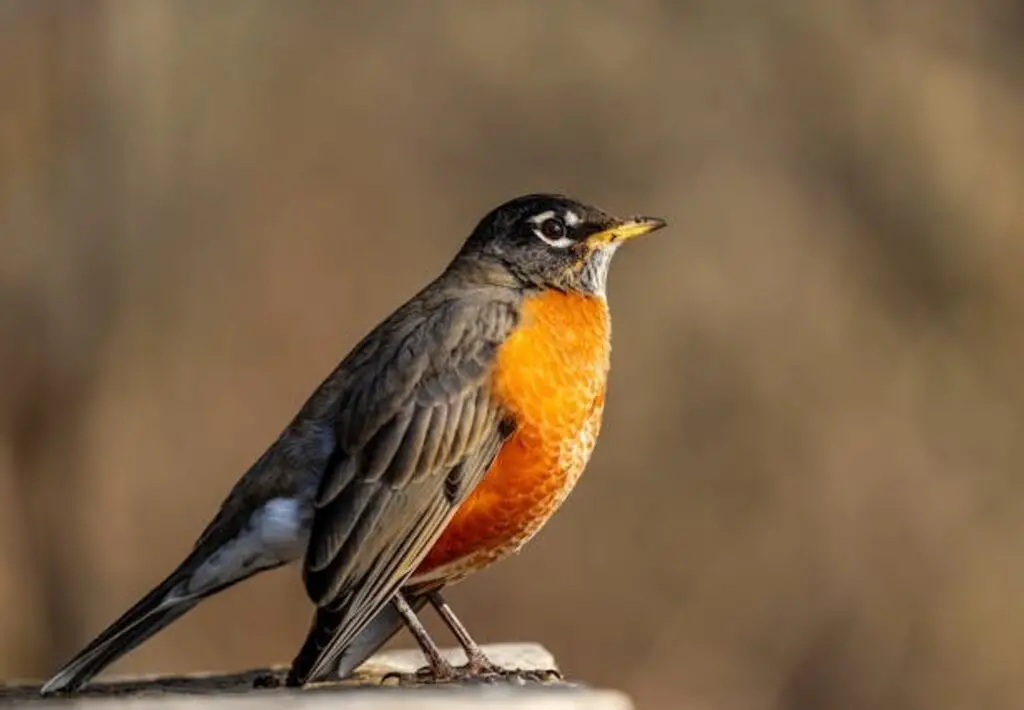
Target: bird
{"x":440,"y":444}
{"x":463,"y":421}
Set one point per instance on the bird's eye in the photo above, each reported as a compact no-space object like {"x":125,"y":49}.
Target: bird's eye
{"x":552,"y":228}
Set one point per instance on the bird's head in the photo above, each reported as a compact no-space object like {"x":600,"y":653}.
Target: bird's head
{"x":553,"y":241}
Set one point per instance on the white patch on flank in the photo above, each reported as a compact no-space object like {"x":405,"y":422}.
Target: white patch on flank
{"x":280,"y":524}
{"x":276,"y":534}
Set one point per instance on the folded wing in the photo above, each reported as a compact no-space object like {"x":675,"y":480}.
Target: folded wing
{"x":417,"y":429}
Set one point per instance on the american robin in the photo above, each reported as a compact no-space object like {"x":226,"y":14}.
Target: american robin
{"x":461,"y":423}
{"x":439,"y":445}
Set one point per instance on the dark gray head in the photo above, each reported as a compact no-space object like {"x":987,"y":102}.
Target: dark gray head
{"x":552,"y":241}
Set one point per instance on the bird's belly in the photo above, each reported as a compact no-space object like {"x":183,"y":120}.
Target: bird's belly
{"x":551,"y":375}
{"x":527,"y":483}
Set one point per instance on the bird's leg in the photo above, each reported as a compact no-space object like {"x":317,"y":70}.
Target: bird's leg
{"x":478,"y":667}
{"x":440,"y":668}
{"x":478,"y":662}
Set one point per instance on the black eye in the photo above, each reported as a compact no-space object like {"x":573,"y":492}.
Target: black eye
{"x":553,"y":228}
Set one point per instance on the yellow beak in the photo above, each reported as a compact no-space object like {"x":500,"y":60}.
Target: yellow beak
{"x":626,"y":229}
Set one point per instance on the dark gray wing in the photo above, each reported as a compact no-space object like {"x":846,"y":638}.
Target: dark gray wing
{"x":417,"y":428}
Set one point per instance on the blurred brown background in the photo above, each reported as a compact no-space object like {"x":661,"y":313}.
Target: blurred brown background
{"x":808,"y":491}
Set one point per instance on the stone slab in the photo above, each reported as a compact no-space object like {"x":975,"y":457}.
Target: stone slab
{"x":364,"y":691}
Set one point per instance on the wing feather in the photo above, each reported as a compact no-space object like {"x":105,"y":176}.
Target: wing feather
{"x":417,"y":430}
{"x":425,"y":424}
{"x":438,"y":442}
{"x":323,"y":549}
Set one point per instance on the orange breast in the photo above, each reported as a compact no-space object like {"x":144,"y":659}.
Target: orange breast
{"x":551,"y":375}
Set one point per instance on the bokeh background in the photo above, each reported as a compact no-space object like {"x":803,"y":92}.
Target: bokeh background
{"x":808,"y":492}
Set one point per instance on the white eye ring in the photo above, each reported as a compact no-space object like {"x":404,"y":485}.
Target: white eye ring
{"x":559,"y":240}
{"x":559,"y":243}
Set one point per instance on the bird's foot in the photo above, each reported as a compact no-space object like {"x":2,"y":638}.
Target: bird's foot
{"x":519,"y":676}
{"x":472,"y":673}
{"x":424,"y":676}
{"x":481,"y":668}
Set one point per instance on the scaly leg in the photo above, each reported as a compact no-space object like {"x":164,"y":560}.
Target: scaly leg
{"x":479,"y":665}
{"x":440,"y":669}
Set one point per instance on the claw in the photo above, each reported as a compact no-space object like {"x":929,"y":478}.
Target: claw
{"x":474,"y":673}
{"x":422,"y":676}
{"x":546,"y":675}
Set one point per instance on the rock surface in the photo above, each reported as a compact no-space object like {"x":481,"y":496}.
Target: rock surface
{"x":369,"y":689}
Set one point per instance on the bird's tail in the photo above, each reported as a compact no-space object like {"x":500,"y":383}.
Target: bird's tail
{"x":168,"y":601}
{"x":321,"y":632}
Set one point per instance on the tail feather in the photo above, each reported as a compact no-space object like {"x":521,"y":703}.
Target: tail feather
{"x":102,"y":652}
{"x":160,"y":607}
